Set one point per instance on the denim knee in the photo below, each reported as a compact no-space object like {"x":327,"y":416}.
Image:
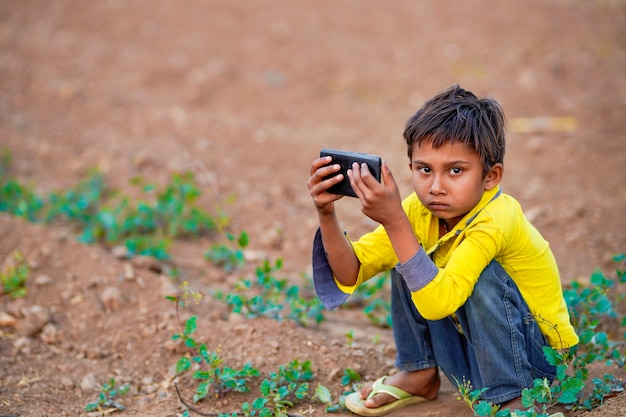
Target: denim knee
{"x":506,"y":341}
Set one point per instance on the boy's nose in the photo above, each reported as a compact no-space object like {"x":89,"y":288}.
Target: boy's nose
{"x":436,"y":187}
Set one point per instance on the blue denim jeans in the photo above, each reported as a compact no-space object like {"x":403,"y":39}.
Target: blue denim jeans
{"x":499,"y":348}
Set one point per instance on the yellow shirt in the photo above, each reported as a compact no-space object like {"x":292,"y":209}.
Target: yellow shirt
{"x":496,"y":229}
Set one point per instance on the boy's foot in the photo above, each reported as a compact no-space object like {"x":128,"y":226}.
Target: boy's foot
{"x":424,"y":383}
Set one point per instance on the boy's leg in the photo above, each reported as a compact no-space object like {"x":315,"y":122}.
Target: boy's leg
{"x":504,"y":342}
{"x":418,"y":373}
{"x":422,"y":343}
{"x":500,"y":346}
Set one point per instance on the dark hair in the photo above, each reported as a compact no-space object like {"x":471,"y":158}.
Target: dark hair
{"x":457,"y":115}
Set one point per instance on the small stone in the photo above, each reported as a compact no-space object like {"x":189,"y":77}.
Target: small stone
{"x":173,"y":345}
{"x":22,"y":344}
{"x":272,"y":239}
{"x":49,"y":334}
{"x":66,"y":381}
{"x":241,"y":327}
{"x":335,"y":374}
{"x":7,"y":320}
{"x":119,"y":252}
{"x":236,"y":318}
{"x":168,"y":288}
{"x":42,"y":280}
{"x":147,"y":263}
{"x":254,"y":255}
{"x":390,"y":351}
{"x":35,"y":318}
{"x":89,"y":383}
{"x":129,"y":272}
{"x":111,"y":298}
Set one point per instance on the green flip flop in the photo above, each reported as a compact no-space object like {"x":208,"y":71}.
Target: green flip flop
{"x":355,"y":404}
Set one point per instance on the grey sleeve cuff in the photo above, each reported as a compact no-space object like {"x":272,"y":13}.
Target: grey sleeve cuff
{"x":418,"y":271}
{"x":323,"y":280}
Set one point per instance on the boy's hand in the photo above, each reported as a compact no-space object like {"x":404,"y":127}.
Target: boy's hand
{"x":318,"y":187}
{"x":380,"y":201}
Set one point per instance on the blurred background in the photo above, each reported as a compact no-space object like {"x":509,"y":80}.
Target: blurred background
{"x":244,"y":94}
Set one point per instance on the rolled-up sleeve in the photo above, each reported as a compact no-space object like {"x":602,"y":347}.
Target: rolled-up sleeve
{"x":418,"y":271}
{"x":324,"y":283}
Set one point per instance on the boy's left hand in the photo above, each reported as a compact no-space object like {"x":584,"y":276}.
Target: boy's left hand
{"x":380,"y":201}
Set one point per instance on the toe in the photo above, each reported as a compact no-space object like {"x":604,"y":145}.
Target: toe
{"x":378,"y":400}
{"x":366,"y":390}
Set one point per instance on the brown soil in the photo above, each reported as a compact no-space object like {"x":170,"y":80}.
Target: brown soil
{"x":245,"y":94}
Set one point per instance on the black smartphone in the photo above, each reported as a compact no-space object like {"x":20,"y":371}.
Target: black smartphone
{"x":345,"y":159}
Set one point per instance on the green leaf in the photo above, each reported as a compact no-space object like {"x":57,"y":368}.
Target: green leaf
{"x":483,"y":408}
{"x":601,"y":338}
{"x":183,"y":364}
{"x":259,"y":403}
{"x":266,"y":412}
{"x":350,"y":376}
{"x":190,"y":326}
{"x":553,"y":357}
{"x":597,"y":278}
{"x":571,"y":388}
{"x":302,"y":391}
{"x":561,"y":372}
{"x":243,"y":240}
{"x":265,"y":388}
{"x":202,"y":391}
{"x":323,"y":394}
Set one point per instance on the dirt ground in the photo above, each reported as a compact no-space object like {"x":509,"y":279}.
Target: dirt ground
{"x":245,"y":94}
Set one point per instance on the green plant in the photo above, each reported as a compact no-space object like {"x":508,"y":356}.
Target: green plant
{"x":471,"y":398}
{"x":565,"y":390}
{"x":350,"y":376}
{"x":14,"y":276}
{"x":227,"y":256}
{"x":215,"y":379}
{"x":281,"y":390}
{"x":145,"y":227}
{"x":81,"y":203}
{"x":15,"y":198}
{"x":349,"y":337}
{"x":268,"y":296}
{"x":107,"y":398}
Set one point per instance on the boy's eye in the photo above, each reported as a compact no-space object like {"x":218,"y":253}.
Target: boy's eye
{"x":456,"y":171}
{"x":424,"y":170}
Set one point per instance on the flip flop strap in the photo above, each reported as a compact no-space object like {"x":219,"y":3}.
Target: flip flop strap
{"x":380,"y":387}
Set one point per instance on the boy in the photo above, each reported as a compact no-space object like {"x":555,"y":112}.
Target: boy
{"x":475,"y":289}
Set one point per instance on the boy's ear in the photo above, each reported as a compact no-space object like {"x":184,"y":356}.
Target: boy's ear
{"x":494,"y":176}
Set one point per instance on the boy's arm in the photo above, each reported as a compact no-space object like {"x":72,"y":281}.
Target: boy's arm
{"x":382,"y":203}
{"x":341,"y":258}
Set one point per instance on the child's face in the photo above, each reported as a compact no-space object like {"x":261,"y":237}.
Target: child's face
{"x":449,"y":180}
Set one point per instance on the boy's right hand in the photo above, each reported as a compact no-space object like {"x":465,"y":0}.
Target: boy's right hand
{"x":318,"y":187}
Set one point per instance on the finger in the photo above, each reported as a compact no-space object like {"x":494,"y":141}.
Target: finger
{"x":323,"y":173}
{"x":367,"y":177}
{"x":354,"y":176}
{"x":387,"y":176}
{"x":320,"y":162}
{"x":318,"y":185}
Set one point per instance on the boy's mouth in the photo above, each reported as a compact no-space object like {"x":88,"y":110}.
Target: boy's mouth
{"x":437,"y":205}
